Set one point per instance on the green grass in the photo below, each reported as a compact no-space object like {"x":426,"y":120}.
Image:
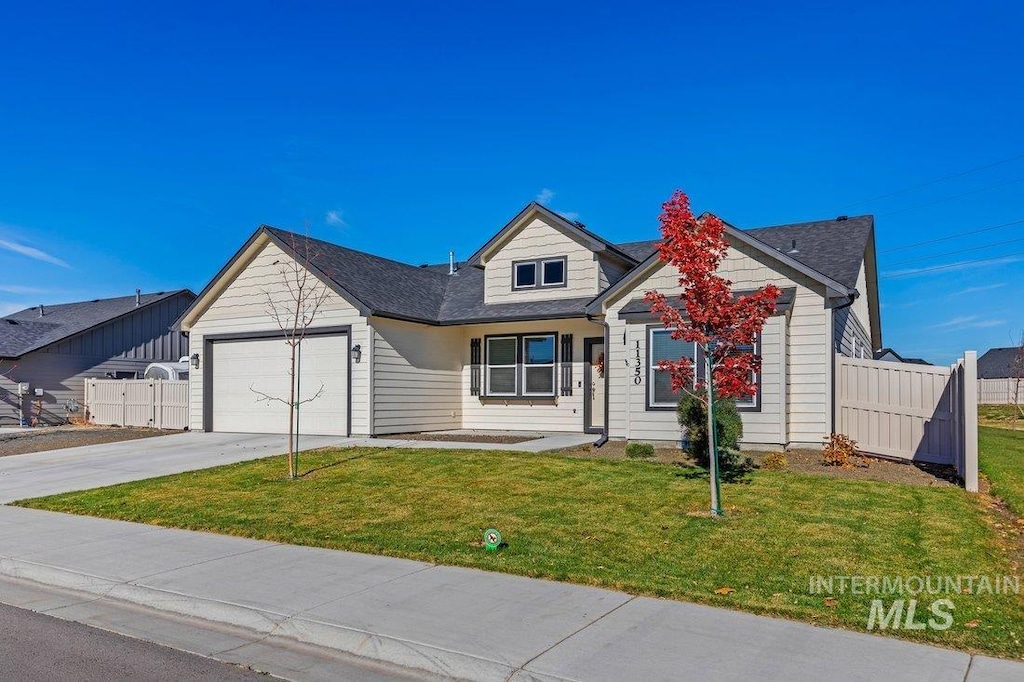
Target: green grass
{"x":635,"y":526}
{"x":1000,"y":415}
{"x":1001,"y":459}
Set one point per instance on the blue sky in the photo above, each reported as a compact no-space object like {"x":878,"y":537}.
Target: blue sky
{"x":140,"y":146}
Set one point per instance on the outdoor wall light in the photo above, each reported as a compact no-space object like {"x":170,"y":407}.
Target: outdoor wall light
{"x":357,"y":352}
{"x":195,"y":361}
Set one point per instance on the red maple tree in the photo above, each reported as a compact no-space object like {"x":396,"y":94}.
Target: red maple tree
{"x":710,"y":316}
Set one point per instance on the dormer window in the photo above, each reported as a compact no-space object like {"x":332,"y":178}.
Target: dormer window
{"x":539,"y":274}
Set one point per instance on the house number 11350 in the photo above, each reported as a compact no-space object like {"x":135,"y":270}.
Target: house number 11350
{"x":637,"y":374}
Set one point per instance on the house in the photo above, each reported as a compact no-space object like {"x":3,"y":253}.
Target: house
{"x":543,"y":328}
{"x":998,"y":363}
{"x":55,"y":348}
{"x":889,"y":355}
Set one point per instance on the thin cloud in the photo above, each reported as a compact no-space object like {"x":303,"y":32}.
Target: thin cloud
{"x":967,"y":322}
{"x":31,"y":252}
{"x":569,"y":215}
{"x":977,"y":290}
{"x":334,"y":219}
{"x":545,"y":196}
{"x":953,"y":267}
{"x":20,"y":290}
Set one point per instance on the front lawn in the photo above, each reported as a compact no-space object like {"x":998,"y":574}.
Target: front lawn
{"x":1001,"y":459}
{"x":636,"y":526}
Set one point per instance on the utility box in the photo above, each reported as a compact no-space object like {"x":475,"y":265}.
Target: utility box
{"x":38,"y":392}
{"x":23,"y":388}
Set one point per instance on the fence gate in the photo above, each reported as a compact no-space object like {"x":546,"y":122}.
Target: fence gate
{"x":156,"y":403}
{"x":914,"y":412}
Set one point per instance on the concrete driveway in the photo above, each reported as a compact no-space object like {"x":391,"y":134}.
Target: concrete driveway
{"x":58,"y":471}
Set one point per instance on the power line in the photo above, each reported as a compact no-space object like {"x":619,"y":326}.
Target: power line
{"x":955,"y":196}
{"x":954,"y":236}
{"x":936,"y":181}
{"x":954,"y":253}
{"x":1009,"y":258}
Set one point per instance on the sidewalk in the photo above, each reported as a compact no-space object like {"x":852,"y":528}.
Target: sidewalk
{"x":454,"y":622}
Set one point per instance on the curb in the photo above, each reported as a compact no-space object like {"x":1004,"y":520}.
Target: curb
{"x":352,"y":641}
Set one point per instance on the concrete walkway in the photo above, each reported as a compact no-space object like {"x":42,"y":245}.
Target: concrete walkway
{"x":91,"y":466}
{"x":439,"y":620}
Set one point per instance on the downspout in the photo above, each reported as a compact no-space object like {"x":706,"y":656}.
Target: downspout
{"x":607,"y":375}
{"x":851,"y":297}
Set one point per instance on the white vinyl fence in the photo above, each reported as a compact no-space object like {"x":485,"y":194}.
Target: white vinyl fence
{"x":913,"y":412}
{"x":156,"y":403}
{"x":1000,"y":392}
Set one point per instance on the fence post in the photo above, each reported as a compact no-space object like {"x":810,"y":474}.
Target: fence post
{"x":970,"y":473}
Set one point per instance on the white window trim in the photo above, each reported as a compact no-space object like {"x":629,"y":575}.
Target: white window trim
{"x":552,"y":364}
{"x":488,"y":366}
{"x":752,"y":400}
{"x":565,"y":266}
{"x":515,"y":275}
{"x":652,"y":368}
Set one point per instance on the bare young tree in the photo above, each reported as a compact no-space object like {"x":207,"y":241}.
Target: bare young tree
{"x":1016,"y":380}
{"x":293,"y":306}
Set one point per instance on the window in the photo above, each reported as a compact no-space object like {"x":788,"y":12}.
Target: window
{"x":539,"y":365}
{"x":662,"y":346}
{"x":553,"y":272}
{"x":540,"y":273}
{"x":502,"y":372}
{"x":520,"y":366}
{"x":750,"y":401}
{"x":525,"y":275}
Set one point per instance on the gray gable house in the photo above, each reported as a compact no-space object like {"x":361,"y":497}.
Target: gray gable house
{"x":542,"y":328}
{"x":55,"y":348}
{"x":997,"y":363}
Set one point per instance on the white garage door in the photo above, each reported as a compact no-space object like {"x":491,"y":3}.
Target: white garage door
{"x":242,"y":367}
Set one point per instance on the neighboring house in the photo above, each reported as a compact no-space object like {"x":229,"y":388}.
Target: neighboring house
{"x":889,"y":355}
{"x":543,"y":328}
{"x":997,"y":363}
{"x":56,"y":347}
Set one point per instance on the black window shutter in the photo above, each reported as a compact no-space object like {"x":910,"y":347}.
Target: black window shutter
{"x":566,"y":364}
{"x":474,"y":369}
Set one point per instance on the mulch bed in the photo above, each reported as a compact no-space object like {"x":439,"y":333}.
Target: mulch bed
{"x":799,"y":461}
{"x":56,"y":438}
{"x":471,"y":438}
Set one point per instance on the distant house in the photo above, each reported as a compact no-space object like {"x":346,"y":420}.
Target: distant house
{"x":55,"y":348}
{"x":543,"y":328}
{"x":997,"y":363}
{"x":889,"y":355}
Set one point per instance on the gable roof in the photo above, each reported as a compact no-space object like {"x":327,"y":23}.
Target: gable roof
{"x":25,"y":331}
{"x":776,"y":242}
{"x":574,"y":229}
{"x":880,"y":355}
{"x":997,"y":363}
{"x":378,"y":286}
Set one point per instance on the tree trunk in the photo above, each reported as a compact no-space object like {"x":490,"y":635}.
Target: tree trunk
{"x":716,"y":504}
{"x":291,"y":420}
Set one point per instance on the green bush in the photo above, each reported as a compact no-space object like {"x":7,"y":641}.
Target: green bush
{"x":639,"y":450}
{"x":728,"y":427}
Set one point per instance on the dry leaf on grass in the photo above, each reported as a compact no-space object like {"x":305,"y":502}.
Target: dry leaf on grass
{"x":831,"y":602}
{"x":724,"y":590}
{"x":971,"y":624}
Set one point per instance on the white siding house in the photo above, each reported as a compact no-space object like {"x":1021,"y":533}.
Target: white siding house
{"x":542,"y":329}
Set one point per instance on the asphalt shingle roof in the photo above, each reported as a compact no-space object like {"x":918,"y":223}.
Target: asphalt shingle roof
{"x":25,"y":331}
{"x":429,"y":294}
{"x":996,"y":363}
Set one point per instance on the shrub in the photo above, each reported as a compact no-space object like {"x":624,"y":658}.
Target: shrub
{"x":728,"y":428}
{"x":774,"y":461}
{"x":839,"y":451}
{"x":639,"y":450}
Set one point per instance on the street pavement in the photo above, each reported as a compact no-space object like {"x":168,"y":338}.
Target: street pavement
{"x":38,"y":648}
{"x":427,"y":619}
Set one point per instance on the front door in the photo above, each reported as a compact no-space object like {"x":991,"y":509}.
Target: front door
{"x":593,"y":380}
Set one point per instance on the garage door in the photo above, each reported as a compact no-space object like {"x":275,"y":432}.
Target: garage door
{"x":242,"y":367}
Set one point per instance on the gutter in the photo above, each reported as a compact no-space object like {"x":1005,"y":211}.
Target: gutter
{"x":851,"y":297}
